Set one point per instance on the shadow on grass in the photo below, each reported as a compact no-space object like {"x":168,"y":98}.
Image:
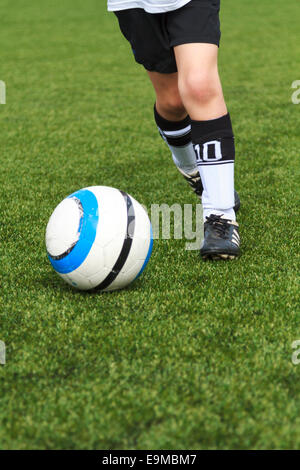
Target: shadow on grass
{"x":54,"y":283}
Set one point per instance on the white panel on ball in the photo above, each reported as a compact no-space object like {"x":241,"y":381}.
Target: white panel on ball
{"x":62,"y":227}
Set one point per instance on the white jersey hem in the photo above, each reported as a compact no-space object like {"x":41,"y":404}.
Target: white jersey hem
{"x":147,"y":6}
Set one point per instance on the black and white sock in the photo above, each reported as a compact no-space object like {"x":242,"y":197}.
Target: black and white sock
{"x":177,"y":135}
{"x":215,"y":154}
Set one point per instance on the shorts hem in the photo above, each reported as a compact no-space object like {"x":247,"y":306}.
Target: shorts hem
{"x":190,"y":40}
{"x":172,"y":68}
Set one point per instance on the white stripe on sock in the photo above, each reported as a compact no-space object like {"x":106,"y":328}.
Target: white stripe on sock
{"x":179,"y":132}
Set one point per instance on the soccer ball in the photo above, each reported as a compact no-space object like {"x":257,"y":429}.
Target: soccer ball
{"x":99,"y":238}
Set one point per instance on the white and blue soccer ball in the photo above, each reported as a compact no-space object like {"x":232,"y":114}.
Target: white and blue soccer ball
{"x":99,"y":238}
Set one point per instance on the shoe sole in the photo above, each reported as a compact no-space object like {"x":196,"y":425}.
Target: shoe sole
{"x":219,"y":256}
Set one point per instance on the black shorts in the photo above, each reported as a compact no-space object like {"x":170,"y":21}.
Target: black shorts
{"x":153,"y":36}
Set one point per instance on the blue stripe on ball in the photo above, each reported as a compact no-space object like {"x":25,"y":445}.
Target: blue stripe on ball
{"x":148,"y":254}
{"x":87,"y":234}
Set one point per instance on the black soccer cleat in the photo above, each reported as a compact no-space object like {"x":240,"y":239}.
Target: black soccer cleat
{"x":194,"y":181}
{"x":221,"y":238}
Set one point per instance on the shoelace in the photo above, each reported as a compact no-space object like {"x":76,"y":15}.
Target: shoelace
{"x":218,"y":223}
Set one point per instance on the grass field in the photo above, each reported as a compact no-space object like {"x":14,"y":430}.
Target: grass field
{"x":193,"y":355}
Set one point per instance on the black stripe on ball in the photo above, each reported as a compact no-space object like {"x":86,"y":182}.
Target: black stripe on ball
{"x":126,"y":245}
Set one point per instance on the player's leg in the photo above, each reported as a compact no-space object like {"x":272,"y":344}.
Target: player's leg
{"x":199,"y":82}
{"x":152,"y":38}
{"x":168,"y":100}
{"x":175,"y":126}
{"x":150,"y":44}
{"x":213,"y":140}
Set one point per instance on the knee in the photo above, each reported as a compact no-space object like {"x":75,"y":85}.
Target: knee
{"x":201,"y":88}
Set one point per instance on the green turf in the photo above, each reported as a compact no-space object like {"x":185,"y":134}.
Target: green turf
{"x":193,"y":355}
